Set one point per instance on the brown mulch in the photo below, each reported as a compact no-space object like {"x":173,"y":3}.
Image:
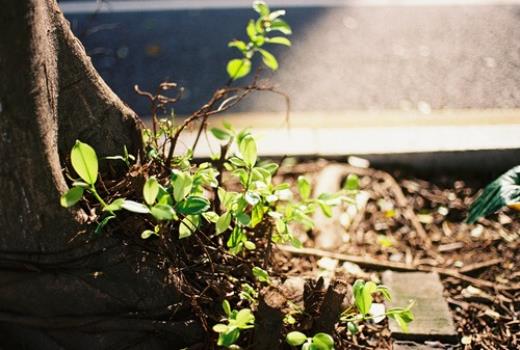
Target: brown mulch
{"x":486,"y":317}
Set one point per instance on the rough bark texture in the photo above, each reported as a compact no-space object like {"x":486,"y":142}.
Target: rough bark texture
{"x":55,"y":293}
{"x":331,"y":307}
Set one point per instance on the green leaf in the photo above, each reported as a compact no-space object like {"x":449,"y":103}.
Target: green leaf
{"x":244,"y":318}
{"x":223,"y":223}
{"x":247,"y":148}
{"x":211,"y":216}
{"x":71,"y":197}
{"x":261,"y":7}
{"x":323,"y":341}
{"x":252,"y":198}
{"x":270,"y":167}
{"x":281,"y":26}
{"x":116,"y":205}
{"x":163,"y":212}
{"x":102,"y":224}
{"x":150,"y":190}
{"x":135,"y":207}
{"x":238,"y":68}
{"x":251,"y":30}
{"x":188,"y":226}
{"x":325,"y":208}
{"x":220,"y":134}
{"x":148,"y":233}
{"x":503,"y":191}
{"x":304,"y":187}
{"x":295,"y":338}
{"x":220,"y":328}
{"x":84,"y":161}
{"x":226,"y":307}
{"x":182,"y":185}
{"x":279,"y":40}
{"x":249,"y":245}
{"x":257,"y":214}
{"x":193,"y":205}
{"x":228,"y":338}
{"x":239,"y":44}
{"x":351,"y":183}
{"x":260,"y":274}
{"x":352,"y":328}
{"x":269,"y":60}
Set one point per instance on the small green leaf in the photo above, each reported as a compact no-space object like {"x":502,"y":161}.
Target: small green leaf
{"x":148,"y":233}
{"x":71,"y":197}
{"x":150,"y":190}
{"x":325,"y":208}
{"x":304,"y":187}
{"x":163,"y":212}
{"x":228,"y":338}
{"x":251,"y":30}
{"x":239,"y":44}
{"x":269,"y":60}
{"x":260,"y":274}
{"x":223,"y":222}
{"x":252,"y":198}
{"x":351,"y":183}
{"x":238,"y":68}
{"x":84,"y":161}
{"x":211,"y":216}
{"x":244,"y":318}
{"x":220,"y":134}
{"x":135,"y":207}
{"x":352,"y":328}
{"x":116,"y":205}
{"x":226,"y":307}
{"x":275,"y":14}
{"x":295,"y":338}
{"x":281,"y":26}
{"x":323,"y":341}
{"x":247,"y":148}
{"x":188,"y":226}
{"x":102,"y":224}
{"x":249,"y":245}
{"x":261,"y":7}
{"x":220,"y":328}
{"x":279,"y":40}
{"x":193,"y":205}
{"x":182,"y":185}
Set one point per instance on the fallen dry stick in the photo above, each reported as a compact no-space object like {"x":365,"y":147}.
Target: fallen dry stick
{"x":396,"y":266}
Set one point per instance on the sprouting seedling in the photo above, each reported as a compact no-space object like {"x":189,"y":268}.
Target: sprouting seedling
{"x":85,"y":163}
{"x":237,"y":320}
{"x":365,"y":308}
{"x":125,"y":157}
{"x":320,"y":341}
{"x":257,"y":31}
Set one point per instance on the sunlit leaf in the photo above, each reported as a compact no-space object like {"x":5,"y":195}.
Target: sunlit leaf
{"x":116,"y":205}
{"x":163,"y":212}
{"x":150,"y":190}
{"x":135,"y":207}
{"x":193,"y":205}
{"x":295,"y":338}
{"x":238,"y":68}
{"x":269,"y":60}
{"x":71,"y":197}
{"x":84,"y":161}
{"x":247,"y":147}
{"x":279,"y":40}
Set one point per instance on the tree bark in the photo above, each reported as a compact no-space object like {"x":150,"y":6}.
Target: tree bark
{"x":55,"y":293}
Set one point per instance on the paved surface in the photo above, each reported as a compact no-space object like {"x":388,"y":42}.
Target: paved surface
{"x":361,"y":55}
{"x":432,"y":315}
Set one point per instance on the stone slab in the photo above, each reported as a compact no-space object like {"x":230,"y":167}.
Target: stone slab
{"x":433,"y":320}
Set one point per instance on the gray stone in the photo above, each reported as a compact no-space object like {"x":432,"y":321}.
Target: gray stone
{"x":433,"y":320}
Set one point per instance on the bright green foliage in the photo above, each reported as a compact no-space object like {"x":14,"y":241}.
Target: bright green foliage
{"x":363,"y":301}
{"x":71,"y":197}
{"x":235,"y":321}
{"x":261,"y":275}
{"x":85,"y":162}
{"x":257,"y":32}
{"x":504,"y":191}
{"x":320,"y":341}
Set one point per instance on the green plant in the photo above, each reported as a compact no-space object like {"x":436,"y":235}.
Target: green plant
{"x":320,"y":341}
{"x":504,"y":191}
{"x":257,"y":31}
{"x":236,"y":320}
{"x":365,"y":309}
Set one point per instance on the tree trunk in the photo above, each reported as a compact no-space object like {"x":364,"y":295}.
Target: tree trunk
{"x":56,"y":292}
